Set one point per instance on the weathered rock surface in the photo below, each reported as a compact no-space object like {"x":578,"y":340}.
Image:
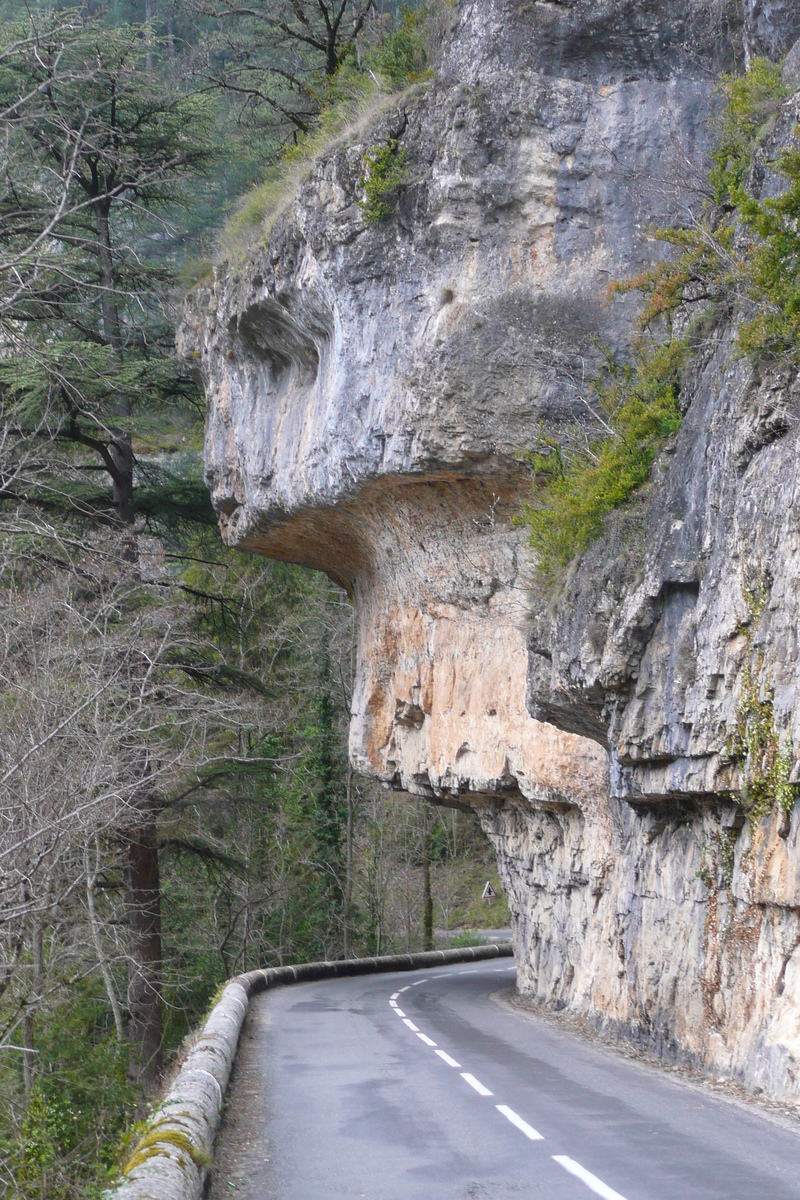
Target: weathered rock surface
{"x":371,"y":388}
{"x":660,"y":642}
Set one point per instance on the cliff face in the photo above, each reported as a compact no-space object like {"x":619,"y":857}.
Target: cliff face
{"x":370,"y":389}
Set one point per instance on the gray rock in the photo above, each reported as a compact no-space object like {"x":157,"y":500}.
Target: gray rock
{"x":371,"y":389}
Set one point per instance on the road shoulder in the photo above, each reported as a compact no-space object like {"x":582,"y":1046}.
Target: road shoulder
{"x":786,"y":1116}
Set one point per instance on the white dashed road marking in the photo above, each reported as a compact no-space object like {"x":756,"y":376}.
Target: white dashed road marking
{"x":596,"y":1185}
{"x":592,"y":1182}
{"x":476,"y":1083}
{"x":451,"y":1062}
{"x":515,"y":1119}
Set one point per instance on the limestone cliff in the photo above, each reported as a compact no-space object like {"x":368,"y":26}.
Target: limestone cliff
{"x":370,"y":389}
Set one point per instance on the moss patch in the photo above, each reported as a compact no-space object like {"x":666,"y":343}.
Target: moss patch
{"x":754,"y":744}
{"x":158,"y":1140}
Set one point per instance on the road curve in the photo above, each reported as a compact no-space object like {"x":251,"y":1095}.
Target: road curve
{"x":419,"y":1086}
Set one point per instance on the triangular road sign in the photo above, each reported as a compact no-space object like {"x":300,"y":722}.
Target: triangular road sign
{"x":488,"y":892}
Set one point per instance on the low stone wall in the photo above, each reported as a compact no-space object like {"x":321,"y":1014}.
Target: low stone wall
{"x":172,"y":1158}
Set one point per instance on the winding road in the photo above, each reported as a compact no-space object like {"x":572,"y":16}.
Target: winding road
{"x":420,"y":1086}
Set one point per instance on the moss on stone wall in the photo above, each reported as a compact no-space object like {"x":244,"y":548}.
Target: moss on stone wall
{"x":754,"y":743}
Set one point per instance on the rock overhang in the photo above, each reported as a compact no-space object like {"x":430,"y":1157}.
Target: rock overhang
{"x":372,"y":388}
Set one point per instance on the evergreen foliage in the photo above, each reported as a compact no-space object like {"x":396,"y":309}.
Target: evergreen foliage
{"x":385,"y":170}
{"x":97,"y":145}
{"x":742,"y":255}
{"x":639,"y":406}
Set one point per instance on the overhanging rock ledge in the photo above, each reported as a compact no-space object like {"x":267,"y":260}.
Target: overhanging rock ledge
{"x":371,"y":389}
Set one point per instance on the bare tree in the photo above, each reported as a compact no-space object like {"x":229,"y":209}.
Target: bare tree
{"x":278,"y":56}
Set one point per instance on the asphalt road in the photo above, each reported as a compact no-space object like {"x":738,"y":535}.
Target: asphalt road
{"x":417,"y":1086}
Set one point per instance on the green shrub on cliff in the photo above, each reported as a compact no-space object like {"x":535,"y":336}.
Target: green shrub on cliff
{"x":365,"y":84}
{"x":743,"y":254}
{"x":773,"y":268}
{"x":639,"y":409}
{"x":385,"y":169}
{"x":746,"y":118}
{"x":402,"y":58}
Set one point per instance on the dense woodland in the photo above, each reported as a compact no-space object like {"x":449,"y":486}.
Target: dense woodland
{"x":175,"y":797}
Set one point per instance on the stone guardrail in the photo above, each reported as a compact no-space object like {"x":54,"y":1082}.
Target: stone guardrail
{"x":172,"y":1158}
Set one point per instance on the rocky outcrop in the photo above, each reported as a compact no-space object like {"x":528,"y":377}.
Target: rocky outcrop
{"x":675,"y":628}
{"x":371,"y":390}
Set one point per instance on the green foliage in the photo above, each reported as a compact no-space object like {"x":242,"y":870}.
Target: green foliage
{"x":639,"y":406}
{"x":749,"y":105}
{"x":345,"y":104}
{"x":88,"y":363}
{"x":483,"y":915}
{"x":385,"y":171}
{"x":755,"y":746}
{"x":353,"y":100}
{"x":744,"y":254}
{"x":80,"y":1104}
{"x":467,"y":937}
{"x":402,"y":57}
{"x":773,"y":267}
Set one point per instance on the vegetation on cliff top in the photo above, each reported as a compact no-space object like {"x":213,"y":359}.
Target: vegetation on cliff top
{"x":391,"y":59}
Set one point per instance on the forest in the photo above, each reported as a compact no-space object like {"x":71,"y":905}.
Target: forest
{"x":175,"y":795}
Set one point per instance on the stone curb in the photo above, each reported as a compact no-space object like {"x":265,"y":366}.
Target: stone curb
{"x":175,"y":1151}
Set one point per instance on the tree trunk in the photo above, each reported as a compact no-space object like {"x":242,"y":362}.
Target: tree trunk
{"x":348,"y":880}
{"x":148,"y":16}
{"x":143,"y":902}
{"x":427,"y":895}
{"x":121,"y":448}
{"x":171,"y":31}
{"x":141,"y":845}
{"x":29,"y":1055}
{"x":92,"y":871}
